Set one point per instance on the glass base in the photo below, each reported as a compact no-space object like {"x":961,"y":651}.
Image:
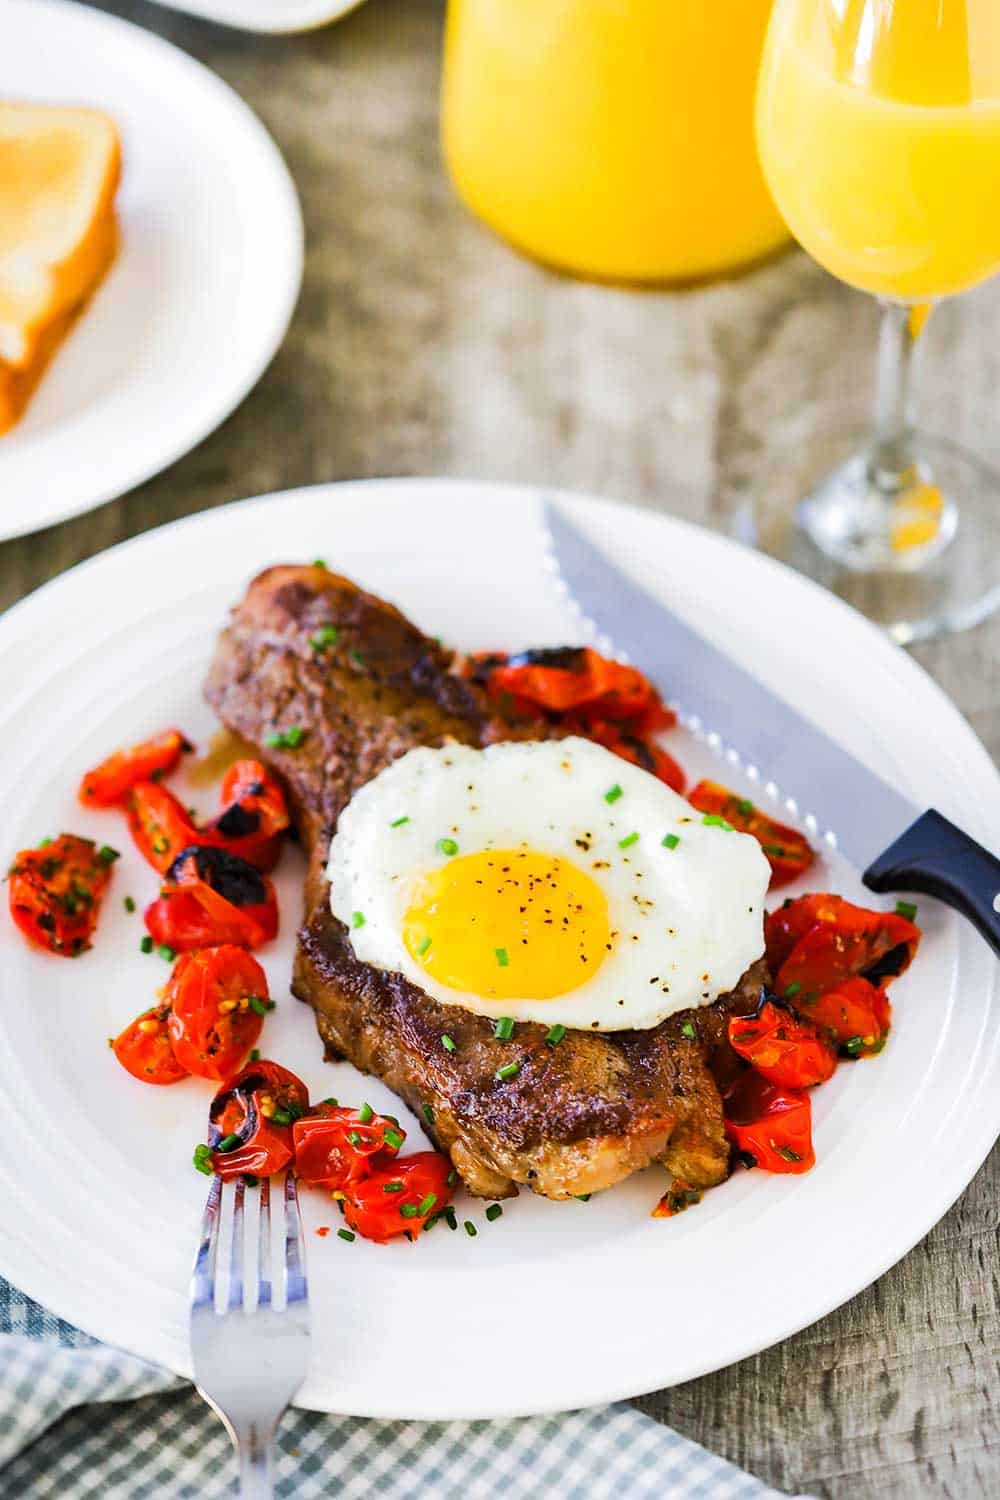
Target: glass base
{"x":917,"y":553}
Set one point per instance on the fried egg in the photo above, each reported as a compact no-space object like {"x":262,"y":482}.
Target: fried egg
{"x":549,"y":882}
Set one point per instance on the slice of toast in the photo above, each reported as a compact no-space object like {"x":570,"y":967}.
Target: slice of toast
{"x":59,"y":170}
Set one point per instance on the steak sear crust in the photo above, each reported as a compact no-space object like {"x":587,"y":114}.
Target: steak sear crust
{"x":308,"y":650}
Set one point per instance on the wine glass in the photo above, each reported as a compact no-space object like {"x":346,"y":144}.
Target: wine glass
{"x":878,"y":125}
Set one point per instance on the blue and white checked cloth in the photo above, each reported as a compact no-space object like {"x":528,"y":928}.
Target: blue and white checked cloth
{"x":80,"y":1419}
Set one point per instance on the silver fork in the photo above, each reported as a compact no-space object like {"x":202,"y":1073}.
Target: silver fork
{"x":249,"y":1362}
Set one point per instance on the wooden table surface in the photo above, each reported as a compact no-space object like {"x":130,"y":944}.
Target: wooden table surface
{"x":421,"y":345}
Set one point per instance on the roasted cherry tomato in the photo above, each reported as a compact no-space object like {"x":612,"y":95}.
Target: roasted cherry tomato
{"x":839,"y":942}
{"x":571,"y":680}
{"x":788,"y":853}
{"x":114,"y":778}
{"x":250,"y":1120}
{"x":401,"y":1199}
{"x":217,"y":1000}
{"x":211,"y":897}
{"x":160,"y":825}
{"x":769,"y":1124}
{"x":783,"y":1049}
{"x":55,"y":892}
{"x":634,"y":748}
{"x":145,"y":1050}
{"x":855,"y":1013}
{"x":254,"y":815}
{"x":335,"y":1146}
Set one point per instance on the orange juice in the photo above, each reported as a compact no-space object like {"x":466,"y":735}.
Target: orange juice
{"x":879,"y":130}
{"x":613,"y":138}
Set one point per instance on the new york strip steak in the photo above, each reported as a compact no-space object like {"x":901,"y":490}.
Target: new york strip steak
{"x":307,"y":648}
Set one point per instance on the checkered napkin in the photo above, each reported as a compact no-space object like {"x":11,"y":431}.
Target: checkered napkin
{"x":80,"y":1419}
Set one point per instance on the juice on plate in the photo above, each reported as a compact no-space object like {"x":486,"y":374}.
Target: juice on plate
{"x":613,"y":138}
{"x":879,"y":129}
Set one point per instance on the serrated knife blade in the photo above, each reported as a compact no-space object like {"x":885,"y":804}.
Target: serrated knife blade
{"x":875,"y":825}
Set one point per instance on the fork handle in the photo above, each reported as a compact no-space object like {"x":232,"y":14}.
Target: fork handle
{"x":256,"y":1467}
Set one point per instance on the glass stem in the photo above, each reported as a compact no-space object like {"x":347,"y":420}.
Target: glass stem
{"x":892,"y":451}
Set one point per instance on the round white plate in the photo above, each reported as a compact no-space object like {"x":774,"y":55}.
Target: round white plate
{"x":554,"y":1305}
{"x":267,"y":15}
{"x":201,"y":293}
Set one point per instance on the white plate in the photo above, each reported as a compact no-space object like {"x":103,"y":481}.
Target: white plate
{"x":267,"y":15}
{"x":554,"y":1305}
{"x":200,"y":296}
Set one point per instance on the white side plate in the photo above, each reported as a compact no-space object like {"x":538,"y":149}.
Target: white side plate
{"x":199,"y":298}
{"x":267,"y":15}
{"x":554,"y":1305}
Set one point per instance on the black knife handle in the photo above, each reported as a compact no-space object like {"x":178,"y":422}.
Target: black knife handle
{"x":937,"y":858}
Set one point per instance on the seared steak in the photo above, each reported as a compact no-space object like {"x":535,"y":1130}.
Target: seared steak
{"x":308,"y":650}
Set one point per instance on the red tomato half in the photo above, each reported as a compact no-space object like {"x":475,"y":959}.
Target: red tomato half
{"x":402,"y":1199}
{"x":573,"y":680}
{"x":856,"y":1013}
{"x":115,"y":777}
{"x":160,"y":825}
{"x":217,"y":1001}
{"x":786,"y":1051}
{"x":254,"y":815}
{"x":336,"y":1146}
{"x":212,"y":897}
{"x":844,"y":942}
{"x":55,"y":892}
{"x":144,"y":1048}
{"x":250,"y":1120}
{"x":787,"y":852}
{"x":770,"y":1124}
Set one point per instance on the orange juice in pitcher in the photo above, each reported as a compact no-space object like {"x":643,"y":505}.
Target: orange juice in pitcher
{"x":611,"y":138}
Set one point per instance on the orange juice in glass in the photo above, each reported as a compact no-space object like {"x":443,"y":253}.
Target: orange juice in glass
{"x":878,"y":123}
{"x":611,"y":138}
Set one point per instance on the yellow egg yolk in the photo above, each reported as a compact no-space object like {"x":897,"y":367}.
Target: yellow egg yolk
{"x":508,"y":924}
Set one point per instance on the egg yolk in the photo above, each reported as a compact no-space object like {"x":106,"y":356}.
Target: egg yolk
{"x":508,"y":924}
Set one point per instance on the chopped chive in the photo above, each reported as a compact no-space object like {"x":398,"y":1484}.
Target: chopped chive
{"x":628,"y":841}
{"x":357,"y":919}
{"x":129,"y":904}
{"x":107,"y":855}
{"x":44,"y":843}
{"x":228,"y":1142}
{"x":398,"y":823}
{"x":745,"y":807}
{"x":146,"y":945}
{"x":493,"y":1212}
{"x":447,"y":846}
{"x":555,"y":1034}
{"x":509,"y":1070}
{"x":202,"y":1159}
{"x":366,"y":1114}
{"x":906,"y":909}
{"x":294,"y":736}
{"x":251,"y":1179}
{"x":452,"y":1177}
{"x":470,"y":1229}
{"x":502,"y":957}
{"x":853,"y":1045}
{"x":357,"y":657}
{"x":353,"y":1138}
{"x":319,"y":562}
{"x":714,"y":820}
{"x":274,"y":739}
{"x":423,"y":947}
{"x":449,"y":1214}
{"x":393,"y":1139}
{"x":582,"y":1197}
{"x":792,"y":989}
{"x":345,"y":1234}
{"x":777,"y":850}
{"x":408,"y":1210}
{"x":688,"y":1030}
{"x":613,"y":793}
{"x":331,"y":1100}
{"x":392,"y":1187}
{"x":428,"y":1114}
{"x":671,"y":840}
{"x":255,"y":1055}
{"x":166,"y":952}
{"x":327,"y":636}
{"x":282,"y":1117}
{"x":426,"y":1204}
{"x":287,"y":739}
{"x":257,"y":1005}
{"x":448,"y":1043}
{"x":503,"y":1028}
{"x":788,"y":1153}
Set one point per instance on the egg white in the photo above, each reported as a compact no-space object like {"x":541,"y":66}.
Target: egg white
{"x":689,"y":920}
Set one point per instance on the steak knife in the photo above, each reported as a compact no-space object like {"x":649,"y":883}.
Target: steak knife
{"x":896,"y":845}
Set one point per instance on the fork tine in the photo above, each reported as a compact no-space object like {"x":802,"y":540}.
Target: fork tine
{"x":264,"y":1245}
{"x":236,"y":1254}
{"x":296,"y":1290}
{"x":203,"y":1272}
